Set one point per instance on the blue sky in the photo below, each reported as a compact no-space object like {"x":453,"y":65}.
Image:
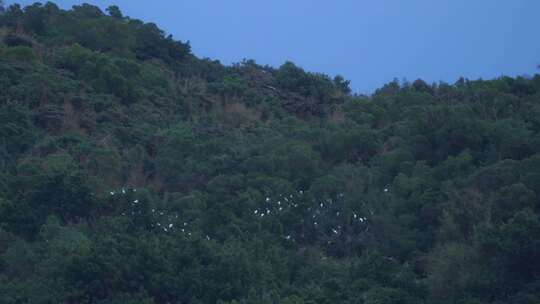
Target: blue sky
{"x":369,"y":42}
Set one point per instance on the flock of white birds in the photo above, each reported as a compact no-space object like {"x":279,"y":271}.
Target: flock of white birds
{"x":327,"y":210}
{"x":317,"y":211}
{"x":164,"y":219}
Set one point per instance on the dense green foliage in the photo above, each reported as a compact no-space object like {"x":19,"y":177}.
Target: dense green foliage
{"x":132,"y":171}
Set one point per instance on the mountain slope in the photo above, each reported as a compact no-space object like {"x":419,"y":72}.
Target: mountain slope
{"x":134,"y":172}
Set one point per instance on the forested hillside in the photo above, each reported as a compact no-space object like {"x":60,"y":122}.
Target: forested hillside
{"x":132,"y":171}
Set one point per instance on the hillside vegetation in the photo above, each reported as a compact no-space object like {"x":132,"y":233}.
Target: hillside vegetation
{"x":132,"y":171}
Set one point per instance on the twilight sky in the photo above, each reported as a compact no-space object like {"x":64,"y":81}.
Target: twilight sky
{"x":369,"y":42}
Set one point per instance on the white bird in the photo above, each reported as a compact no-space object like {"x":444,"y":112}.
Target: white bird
{"x":171,"y":225}
{"x":267,"y":199}
{"x":335,"y":231}
{"x":280,"y":208}
{"x":385,"y":189}
{"x":288,"y":237}
{"x":322,"y":205}
{"x":256,"y":211}
{"x":207,"y":237}
{"x":136,"y":201}
{"x":112,"y":192}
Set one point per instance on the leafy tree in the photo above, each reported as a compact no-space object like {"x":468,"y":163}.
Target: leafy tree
{"x":452,"y":273}
{"x":114,"y":11}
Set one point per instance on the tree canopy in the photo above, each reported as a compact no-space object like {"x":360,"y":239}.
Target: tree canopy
{"x":132,"y":171}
